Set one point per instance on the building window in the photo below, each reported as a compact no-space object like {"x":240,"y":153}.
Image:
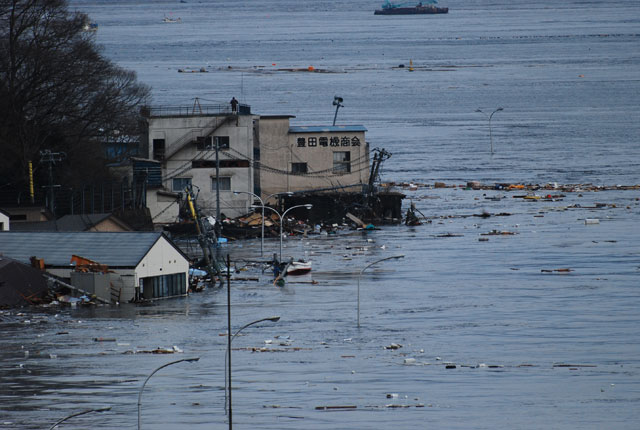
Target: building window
{"x":225,"y":183}
{"x":169,"y":285}
{"x":207,"y":143}
{"x":158,"y":149}
{"x":298,"y":168}
{"x":204,"y":143}
{"x":341,"y":162}
{"x":179,"y":184}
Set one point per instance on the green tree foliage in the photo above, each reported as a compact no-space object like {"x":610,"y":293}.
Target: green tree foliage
{"x":58,"y":92}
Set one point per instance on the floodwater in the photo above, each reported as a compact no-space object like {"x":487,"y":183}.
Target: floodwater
{"x":533,"y":347}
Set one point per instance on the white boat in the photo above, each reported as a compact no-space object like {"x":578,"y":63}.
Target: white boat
{"x":298,"y":268}
{"x":167,"y":19}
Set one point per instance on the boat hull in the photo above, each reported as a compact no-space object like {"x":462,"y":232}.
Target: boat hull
{"x":298,"y":268}
{"x":418,"y":10}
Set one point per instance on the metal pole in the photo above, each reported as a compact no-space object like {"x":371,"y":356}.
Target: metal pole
{"x":218,"y":221}
{"x":308,"y":206}
{"x":228,"y":394}
{"x":366,"y":267}
{"x":191,"y":360}
{"x":227,"y":387}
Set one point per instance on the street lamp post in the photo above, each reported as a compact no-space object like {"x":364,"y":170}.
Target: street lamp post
{"x":227,"y":368}
{"x":108,"y":408}
{"x":190,"y":360}
{"x":360,"y":274}
{"x":337,"y":102}
{"x":308,"y":206}
{"x":262,"y":205}
{"x":490,"y":116}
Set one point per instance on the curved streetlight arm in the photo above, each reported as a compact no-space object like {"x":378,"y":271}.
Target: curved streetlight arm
{"x":227,"y":353}
{"x":489,"y":117}
{"x":308,"y":206}
{"x":108,"y":408}
{"x":365,"y":268}
{"x":191,"y":360}
{"x":262,"y":223}
{"x":288,"y":193}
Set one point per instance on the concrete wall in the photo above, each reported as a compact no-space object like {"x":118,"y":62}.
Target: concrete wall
{"x":93,"y":283}
{"x":279,"y":149}
{"x":181,"y":132}
{"x":164,"y":209}
{"x":108,"y":225}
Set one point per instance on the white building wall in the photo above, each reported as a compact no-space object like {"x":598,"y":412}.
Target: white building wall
{"x":162,"y":259}
{"x":4,"y":222}
{"x":182,"y":132}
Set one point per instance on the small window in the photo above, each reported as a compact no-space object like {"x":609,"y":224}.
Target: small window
{"x":204,"y":143}
{"x":298,"y":168}
{"x":207,"y":143}
{"x":225,"y":183}
{"x":158,"y":149}
{"x":341,"y":162}
{"x":179,"y":184}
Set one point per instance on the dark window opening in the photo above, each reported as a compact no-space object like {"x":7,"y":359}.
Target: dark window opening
{"x":298,"y":168}
{"x":341,"y":162}
{"x":158,"y":149}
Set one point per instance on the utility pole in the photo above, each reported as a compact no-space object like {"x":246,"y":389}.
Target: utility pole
{"x":218,"y":220}
{"x":51,"y":158}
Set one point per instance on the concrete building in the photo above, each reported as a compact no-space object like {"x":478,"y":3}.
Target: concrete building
{"x":184,"y":142}
{"x":141,"y":264}
{"x":261,"y":154}
{"x":311,"y":158}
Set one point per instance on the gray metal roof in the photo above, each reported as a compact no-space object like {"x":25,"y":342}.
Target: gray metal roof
{"x":69,"y":223}
{"x":121,"y":249}
{"x":326,"y":128}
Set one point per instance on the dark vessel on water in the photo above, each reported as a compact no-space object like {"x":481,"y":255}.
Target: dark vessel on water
{"x":389,"y":8}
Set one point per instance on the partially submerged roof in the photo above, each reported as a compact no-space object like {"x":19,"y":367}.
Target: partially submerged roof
{"x":19,"y":283}
{"x":83,"y":222}
{"x":325,"y":128}
{"x":114,"y":249}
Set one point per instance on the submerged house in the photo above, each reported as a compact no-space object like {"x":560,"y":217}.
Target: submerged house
{"x":140,"y":264}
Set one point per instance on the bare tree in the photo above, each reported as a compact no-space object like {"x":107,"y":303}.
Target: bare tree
{"x":58,"y":92}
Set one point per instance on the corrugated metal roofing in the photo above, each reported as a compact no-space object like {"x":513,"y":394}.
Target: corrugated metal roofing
{"x":325,"y":129}
{"x":124,"y":249}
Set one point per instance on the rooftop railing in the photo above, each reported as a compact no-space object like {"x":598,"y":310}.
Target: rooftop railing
{"x":195,"y":110}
